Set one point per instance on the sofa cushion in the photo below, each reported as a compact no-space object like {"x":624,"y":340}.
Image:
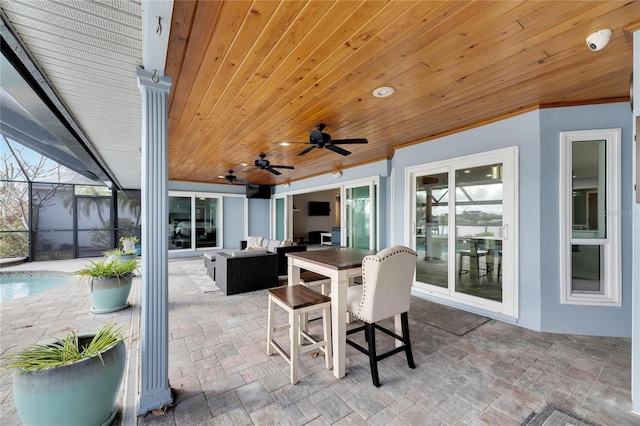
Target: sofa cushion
{"x":286,"y":243}
{"x":272,"y":245}
{"x":254,"y":242}
{"x":248,"y":252}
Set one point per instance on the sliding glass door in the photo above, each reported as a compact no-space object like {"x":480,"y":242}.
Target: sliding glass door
{"x":280,"y":216}
{"x":479,"y":221}
{"x":359,"y":216}
{"x":195,"y":221}
{"x":462,"y":217}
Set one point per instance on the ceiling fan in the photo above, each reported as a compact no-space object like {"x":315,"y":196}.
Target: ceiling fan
{"x":263,"y":164}
{"x":317,"y":139}
{"x":231,"y":179}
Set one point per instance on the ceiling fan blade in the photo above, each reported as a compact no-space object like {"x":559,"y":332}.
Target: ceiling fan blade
{"x":283,"y":167}
{"x":307,"y":150}
{"x":274,"y":171}
{"x":290,"y":143}
{"x":337,"y":149}
{"x":346,"y":141}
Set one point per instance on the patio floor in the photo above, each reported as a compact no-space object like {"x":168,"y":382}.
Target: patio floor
{"x":496,"y":375}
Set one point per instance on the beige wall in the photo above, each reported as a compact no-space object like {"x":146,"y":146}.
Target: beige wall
{"x":303,"y":223}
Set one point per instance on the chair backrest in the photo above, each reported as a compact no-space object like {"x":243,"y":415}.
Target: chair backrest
{"x":387,"y":278}
{"x":473,"y":248}
{"x":470,"y":246}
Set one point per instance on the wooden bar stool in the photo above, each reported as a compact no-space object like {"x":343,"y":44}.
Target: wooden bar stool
{"x":310,"y":279}
{"x":313,"y":279}
{"x":298,"y":300}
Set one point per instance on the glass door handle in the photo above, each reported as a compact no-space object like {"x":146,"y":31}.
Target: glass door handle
{"x":504,"y":232}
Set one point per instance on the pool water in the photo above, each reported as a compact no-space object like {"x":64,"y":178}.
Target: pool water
{"x":18,"y":286}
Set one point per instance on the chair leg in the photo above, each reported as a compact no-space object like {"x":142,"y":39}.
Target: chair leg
{"x":370,"y":334}
{"x":270,"y":318}
{"x":294,"y":335}
{"x":326,"y":323}
{"x":407,"y":341}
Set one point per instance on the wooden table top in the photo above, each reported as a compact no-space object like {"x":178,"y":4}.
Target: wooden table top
{"x":335,"y":258}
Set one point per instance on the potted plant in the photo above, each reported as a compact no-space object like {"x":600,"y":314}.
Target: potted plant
{"x":120,"y":255}
{"x":129,"y":243}
{"x":72,"y":381}
{"x":109,"y":283}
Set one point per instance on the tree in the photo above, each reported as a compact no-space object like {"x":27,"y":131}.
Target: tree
{"x":17,"y":168}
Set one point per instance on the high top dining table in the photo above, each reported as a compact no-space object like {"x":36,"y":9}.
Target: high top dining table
{"x":341,"y":265}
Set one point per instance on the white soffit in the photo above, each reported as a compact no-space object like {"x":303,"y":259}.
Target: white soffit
{"x":90,"y":51}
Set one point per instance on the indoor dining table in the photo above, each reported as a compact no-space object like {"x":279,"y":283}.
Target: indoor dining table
{"x":341,"y":265}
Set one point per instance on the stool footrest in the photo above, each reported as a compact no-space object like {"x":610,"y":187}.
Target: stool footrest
{"x":281,"y":351}
{"x":309,"y":348}
{"x":281,"y":327}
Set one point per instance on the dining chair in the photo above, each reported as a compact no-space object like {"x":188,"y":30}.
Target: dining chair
{"x":387,"y":278}
{"x":470,"y":249}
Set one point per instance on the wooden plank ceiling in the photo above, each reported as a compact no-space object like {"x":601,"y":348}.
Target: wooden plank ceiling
{"x":248,"y":75}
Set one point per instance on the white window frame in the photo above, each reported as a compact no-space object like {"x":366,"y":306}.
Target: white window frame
{"x":193,"y":196}
{"x":611,"y":244}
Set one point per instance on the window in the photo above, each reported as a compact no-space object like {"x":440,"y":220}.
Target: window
{"x":589,"y":219}
{"x":195,"y":221}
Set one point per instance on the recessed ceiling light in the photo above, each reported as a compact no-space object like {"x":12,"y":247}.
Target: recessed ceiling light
{"x":383,"y":92}
{"x":244,"y":164}
{"x":284,"y":143}
{"x":220,"y":177}
{"x":489,"y":175}
{"x":467,"y":171}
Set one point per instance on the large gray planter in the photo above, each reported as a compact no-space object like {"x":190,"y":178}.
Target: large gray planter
{"x":82,"y":393}
{"x":121,"y":257}
{"x":109,"y":294}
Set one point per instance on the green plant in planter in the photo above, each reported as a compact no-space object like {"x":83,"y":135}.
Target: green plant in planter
{"x":64,"y":351}
{"x":128,"y":243}
{"x":107,"y":269}
{"x":129,"y":238}
{"x":120,"y":255}
{"x":118,"y":252}
{"x":110,"y":283}
{"x":73,"y":381}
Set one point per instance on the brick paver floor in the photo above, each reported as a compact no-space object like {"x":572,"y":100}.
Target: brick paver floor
{"x":496,"y":374}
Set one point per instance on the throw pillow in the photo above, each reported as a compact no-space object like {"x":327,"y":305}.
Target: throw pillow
{"x":286,"y":243}
{"x":254,"y":242}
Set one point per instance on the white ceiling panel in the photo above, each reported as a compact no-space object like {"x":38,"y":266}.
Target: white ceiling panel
{"x":89,"y":52}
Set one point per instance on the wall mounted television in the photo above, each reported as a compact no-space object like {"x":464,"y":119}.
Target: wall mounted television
{"x":259,"y":191}
{"x":319,"y":208}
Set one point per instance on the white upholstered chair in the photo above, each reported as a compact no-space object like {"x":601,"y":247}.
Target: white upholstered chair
{"x":387,"y":278}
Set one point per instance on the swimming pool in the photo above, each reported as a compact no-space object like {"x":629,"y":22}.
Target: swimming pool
{"x":16,"y":286}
